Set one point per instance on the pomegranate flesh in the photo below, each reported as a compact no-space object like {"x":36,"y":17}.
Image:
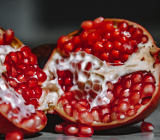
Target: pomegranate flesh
{"x":20,"y":87}
{"x":105,"y":74}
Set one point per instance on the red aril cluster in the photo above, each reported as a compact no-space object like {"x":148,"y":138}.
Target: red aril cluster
{"x":107,"y":40}
{"x":82,"y":130}
{"x":24,"y":74}
{"x":122,"y":99}
{"x":14,"y":135}
{"x":146,"y":127}
{"x":6,"y":37}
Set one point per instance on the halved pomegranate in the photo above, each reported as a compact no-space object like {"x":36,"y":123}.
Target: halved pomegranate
{"x":105,"y":74}
{"x":20,"y":90}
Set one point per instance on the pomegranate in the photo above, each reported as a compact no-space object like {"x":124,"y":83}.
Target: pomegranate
{"x":105,"y":75}
{"x":20,"y":88}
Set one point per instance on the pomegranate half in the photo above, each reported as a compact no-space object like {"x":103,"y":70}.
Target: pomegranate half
{"x":20,"y":79}
{"x":105,"y":74}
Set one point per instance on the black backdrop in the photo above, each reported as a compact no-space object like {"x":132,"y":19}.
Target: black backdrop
{"x":43,"y":21}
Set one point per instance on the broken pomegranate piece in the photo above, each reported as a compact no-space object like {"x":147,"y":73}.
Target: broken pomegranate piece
{"x":104,"y":75}
{"x":20,"y":88}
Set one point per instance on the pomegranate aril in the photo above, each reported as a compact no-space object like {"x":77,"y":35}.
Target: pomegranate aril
{"x":137,"y":33}
{"x":26,"y":51}
{"x":19,"y":90}
{"x":122,"y":107}
{"x":116,"y":33}
{"x":14,"y":135}
{"x":8,"y":36}
{"x":21,"y":77}
{"x":123,"y":26}
{"x":124,"y":93}
{"x":5,"y":107}
{"x":80,"y":107}
{"x":148,"y":78}
{"x":135,"y":97}
{"x":98,"y":46}
{"x":117,"y":89}
{"x":93,"y":37}
{"x":75,"y":114}
{"x":71,"y":129}
{"x":85,"y":117}
{"x":41,"y":76}
{"x":85,"y":103}
{"x":127,"y":48}
{"x":12,"y":82}
{"x":137,"y":77}
{"x":145,"y":100}
{"x":23,"y":86}
{"x":108,"y":26}
{"x":59,"y":128}
{"x":32,"y":82}
{"x":146,"y":127}
{"x":104,"y":110}
{"x":106,"y":118}
{"x":85,"y":130}
{"x":29,"y":72}
{"x":14,"y":57}
{"x":131,"y":112}
{"x":114,"y":116}
{"x":68,"y":109}
{"x":87,"y":25}
{"x":95,"y":114}
{"x":62,"y":40}
{"x":136,"y":87}
{"x":148,"y":89}
{"x":63,"y":101}
{"x":73,"y":101}
{"x":98,"y":22}
{"x":12,"y":71}
{"x":33,"y":59}
{"x":84,"y":36}
{"x":68,"y":46}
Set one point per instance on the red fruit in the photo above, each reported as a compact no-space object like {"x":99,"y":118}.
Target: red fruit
{"x":146,"y":127}
{"x":87,"y":25}
{"x":120,"y":72}
{"x":18,"y":116}
{"x":14,"y":135}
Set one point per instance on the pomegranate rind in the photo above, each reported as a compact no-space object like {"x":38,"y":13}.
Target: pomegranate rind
{"x":143,"y":112}
{"x":8,"y":125}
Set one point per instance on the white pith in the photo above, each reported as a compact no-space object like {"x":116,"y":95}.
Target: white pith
{"x":7,"y":93}
{"x":103,"y":74}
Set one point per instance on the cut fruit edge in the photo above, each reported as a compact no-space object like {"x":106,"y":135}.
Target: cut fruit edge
{"x":144,"y":110}
{"x":28,"y":122}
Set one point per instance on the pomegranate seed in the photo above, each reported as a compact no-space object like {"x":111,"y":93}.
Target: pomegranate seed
{"x":76,"y":40}
{"x":123,"y":39}
{"x":60,"y":127}
{"x":108,"y":26}
{"x":5,"y":107}
{"x":26,"y":51}
{"x":108,"y":36}
{"x":19,"y":90}
{"x":32,"y":82}
{"x":116,"y":33}
{"x":41,"y":76}
{"x":123,"y":26}
{"x":137,"y":33}
{"x":88,"y":50}
{"x":73,"y":101}
{"x":122,"y":107}
{"x":14,"y":135}
{"x":124,"y":93}
{"x":80,"y":107}
{"x":104,"y":110}
{"x":84,"y":36}
{"x":63,"y":101}
{"x":145,"y":100}
{"x":144,"y":39}
{"x":115,"y":53}
{"x":71,"y":129}
{"x":62,"y":40}
{"x":117,"y":90}
{"x":85,"y":130}
{"x":146,"y":127}
{"x":29,"y":72}
{"x":68,"y":109}
{"x":137,"y":77}
{"x":68,"y":46}
{"x":127,"y":83}
{"x":98,"y":22}
{"x":8,"y":36}
{"x":105,"y":56}
{"x":23,"y":86}
{"x":14,"y":57}
{"x":98,"y":46}
{"x":21,"y":77}
{"x":12,"y":82}
{"x":85,"y":117}
{"x":75,"y":114}
{"x":68,"y":81}
{"x":117,"y":45}
{"x":12,"y":71}
{"x":106,"y":118}
{"x":20,"y":55}
{"x":148,"y":90}
{"x":95,"y":114}
{"x":85,"y":103}
{"x":131,"y":112}
{"x":135,"y":97}
{"x":93,"y":37}
{"x":114,"y":116}
{"x":87,"y":25}
{"x":33,"y":59}
{"x":148,"y":78}
{"x":127,"y":48}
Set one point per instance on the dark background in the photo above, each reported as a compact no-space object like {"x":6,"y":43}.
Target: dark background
{"x":44,"y":21}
